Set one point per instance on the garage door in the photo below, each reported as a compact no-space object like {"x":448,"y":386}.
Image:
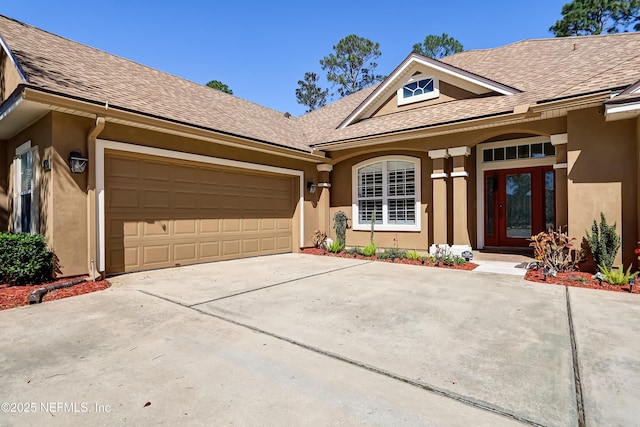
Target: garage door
{"x":162,"y":213}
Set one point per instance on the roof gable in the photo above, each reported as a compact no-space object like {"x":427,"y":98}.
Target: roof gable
{"x":418,"y":65}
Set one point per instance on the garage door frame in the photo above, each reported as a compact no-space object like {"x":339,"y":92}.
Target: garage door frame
{"x":102,"y":145}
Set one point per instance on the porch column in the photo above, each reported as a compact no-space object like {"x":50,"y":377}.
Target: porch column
{"x":324,"y":200}
{"x":459,"y":175}
{"x":559,"y":141}
{"x":439,"y":179}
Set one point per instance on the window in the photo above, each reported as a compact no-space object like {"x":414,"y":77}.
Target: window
{"x":25,"y":202}
{"x":387,"y":191}
{"x":524,"y":151}
{"x":419,"y":88}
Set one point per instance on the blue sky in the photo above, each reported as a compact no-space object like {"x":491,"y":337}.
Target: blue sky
{"x":261,"y":49}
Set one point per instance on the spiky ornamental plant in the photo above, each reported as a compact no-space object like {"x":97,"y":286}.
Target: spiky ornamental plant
{"x":603,"y":242}
{"x":340,"y":225}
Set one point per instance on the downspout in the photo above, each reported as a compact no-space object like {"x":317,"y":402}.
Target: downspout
{"x":92,"y":214}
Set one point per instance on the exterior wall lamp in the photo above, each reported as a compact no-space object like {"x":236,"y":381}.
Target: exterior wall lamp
{"x":77,"y":163}
{"x":311,"y":187}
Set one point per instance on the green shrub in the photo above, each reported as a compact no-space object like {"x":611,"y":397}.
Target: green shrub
{"x":335,"y":247}
{"x":617,"y":278}
{"x":369,"y":250}
{"x":413,"y":255}
{"x":25,"y":258}
{"x":603,"y":242}
{"x":352,"y":251}
{"x":393,"y":253}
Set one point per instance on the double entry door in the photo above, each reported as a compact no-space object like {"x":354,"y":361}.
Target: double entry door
{"x":518,"y":203}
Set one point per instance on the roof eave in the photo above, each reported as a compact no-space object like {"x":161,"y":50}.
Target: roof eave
{"x":116,"y":114}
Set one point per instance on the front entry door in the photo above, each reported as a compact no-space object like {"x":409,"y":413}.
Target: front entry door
{"x":518,"y":204}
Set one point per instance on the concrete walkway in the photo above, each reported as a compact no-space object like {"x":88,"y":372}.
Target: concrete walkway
{"x":299,"y":339}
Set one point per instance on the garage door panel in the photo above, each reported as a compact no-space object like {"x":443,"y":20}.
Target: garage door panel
{"x":156,"y":255}
{"x":185,"y":227}
{"x":209,"y":226}
{"x":162,"y":212}
{"x":251,"y":246}
{"x":231,"y":248}
{"x":210,"y":250}
{"x":155,"y":199}
{"x":153,"y":171}
{"x":119,"y":197}
{"x":185,"y":253}
{"x":184,"y":200}
{"x":122,"y":168}
{"x":185,"y":174}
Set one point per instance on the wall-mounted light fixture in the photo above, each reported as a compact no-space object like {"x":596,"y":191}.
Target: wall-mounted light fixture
{"x":77,"y":163}
{"x":311,"y":187}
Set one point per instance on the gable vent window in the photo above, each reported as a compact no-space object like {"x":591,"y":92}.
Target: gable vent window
{"x":419,"y":88}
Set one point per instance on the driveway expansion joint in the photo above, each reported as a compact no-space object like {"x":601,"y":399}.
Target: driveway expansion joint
{"x":576,"y":367}
{"x":276,"y":284}
{"x":477,"y":404}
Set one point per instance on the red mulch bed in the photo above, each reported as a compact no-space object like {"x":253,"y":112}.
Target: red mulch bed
{"x":578,"y":279}
{"x":316,"y":251}
{"x":16,"y":296}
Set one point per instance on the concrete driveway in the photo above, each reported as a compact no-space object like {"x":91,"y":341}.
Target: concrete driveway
{"x":305,"y":340}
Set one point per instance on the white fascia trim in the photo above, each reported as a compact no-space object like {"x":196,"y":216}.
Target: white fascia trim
{"x":459,"y":174}
{"x":400,"y":71}
{"x":623,"y":108}
{"x":561,"y":166}
{"x":102,"y":145}
{"x":439,"y":175}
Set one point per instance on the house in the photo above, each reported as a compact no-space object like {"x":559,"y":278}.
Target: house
{"x":123,"y":167}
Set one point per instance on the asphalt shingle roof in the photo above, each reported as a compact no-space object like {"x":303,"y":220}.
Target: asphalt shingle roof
{"x":542,"y":69}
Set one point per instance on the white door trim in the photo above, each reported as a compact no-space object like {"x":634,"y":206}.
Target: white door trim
{"x":102,"y":144}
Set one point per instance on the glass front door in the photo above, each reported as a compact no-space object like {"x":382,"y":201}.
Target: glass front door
{"x":518,"y":204}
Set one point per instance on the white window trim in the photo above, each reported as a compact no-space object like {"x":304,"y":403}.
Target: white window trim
{"x":481,"y":166}
{"x":102,"y":145}
{"x":417,"y":98}
{"x":17,"y":189}
{"x":385,"y":227}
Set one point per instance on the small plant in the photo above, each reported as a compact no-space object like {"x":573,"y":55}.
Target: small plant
{"x":616,"y":278}
{"x":319,"y":239}
{"x":369,"y":250}
{"x":428,"y":259}
{"x":554,"y":250}
{"x":25,"y":258}
{"x":335,"y":247}
{"x":603,"y":242}
{"x":340,"y":225}
{"x":393,"y":254}
{"x":413,"y":255}
{"x":353,"y":251}
{"x":578,"y":279}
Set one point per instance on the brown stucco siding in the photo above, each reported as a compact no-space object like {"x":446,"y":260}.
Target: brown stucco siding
{"x":69,"y":193}
{"x":602,"y":177}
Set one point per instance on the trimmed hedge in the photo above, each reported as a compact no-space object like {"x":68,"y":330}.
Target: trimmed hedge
{"x":25,"y":258}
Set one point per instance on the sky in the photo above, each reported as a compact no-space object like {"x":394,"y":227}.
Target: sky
{"x":261,"y":49}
